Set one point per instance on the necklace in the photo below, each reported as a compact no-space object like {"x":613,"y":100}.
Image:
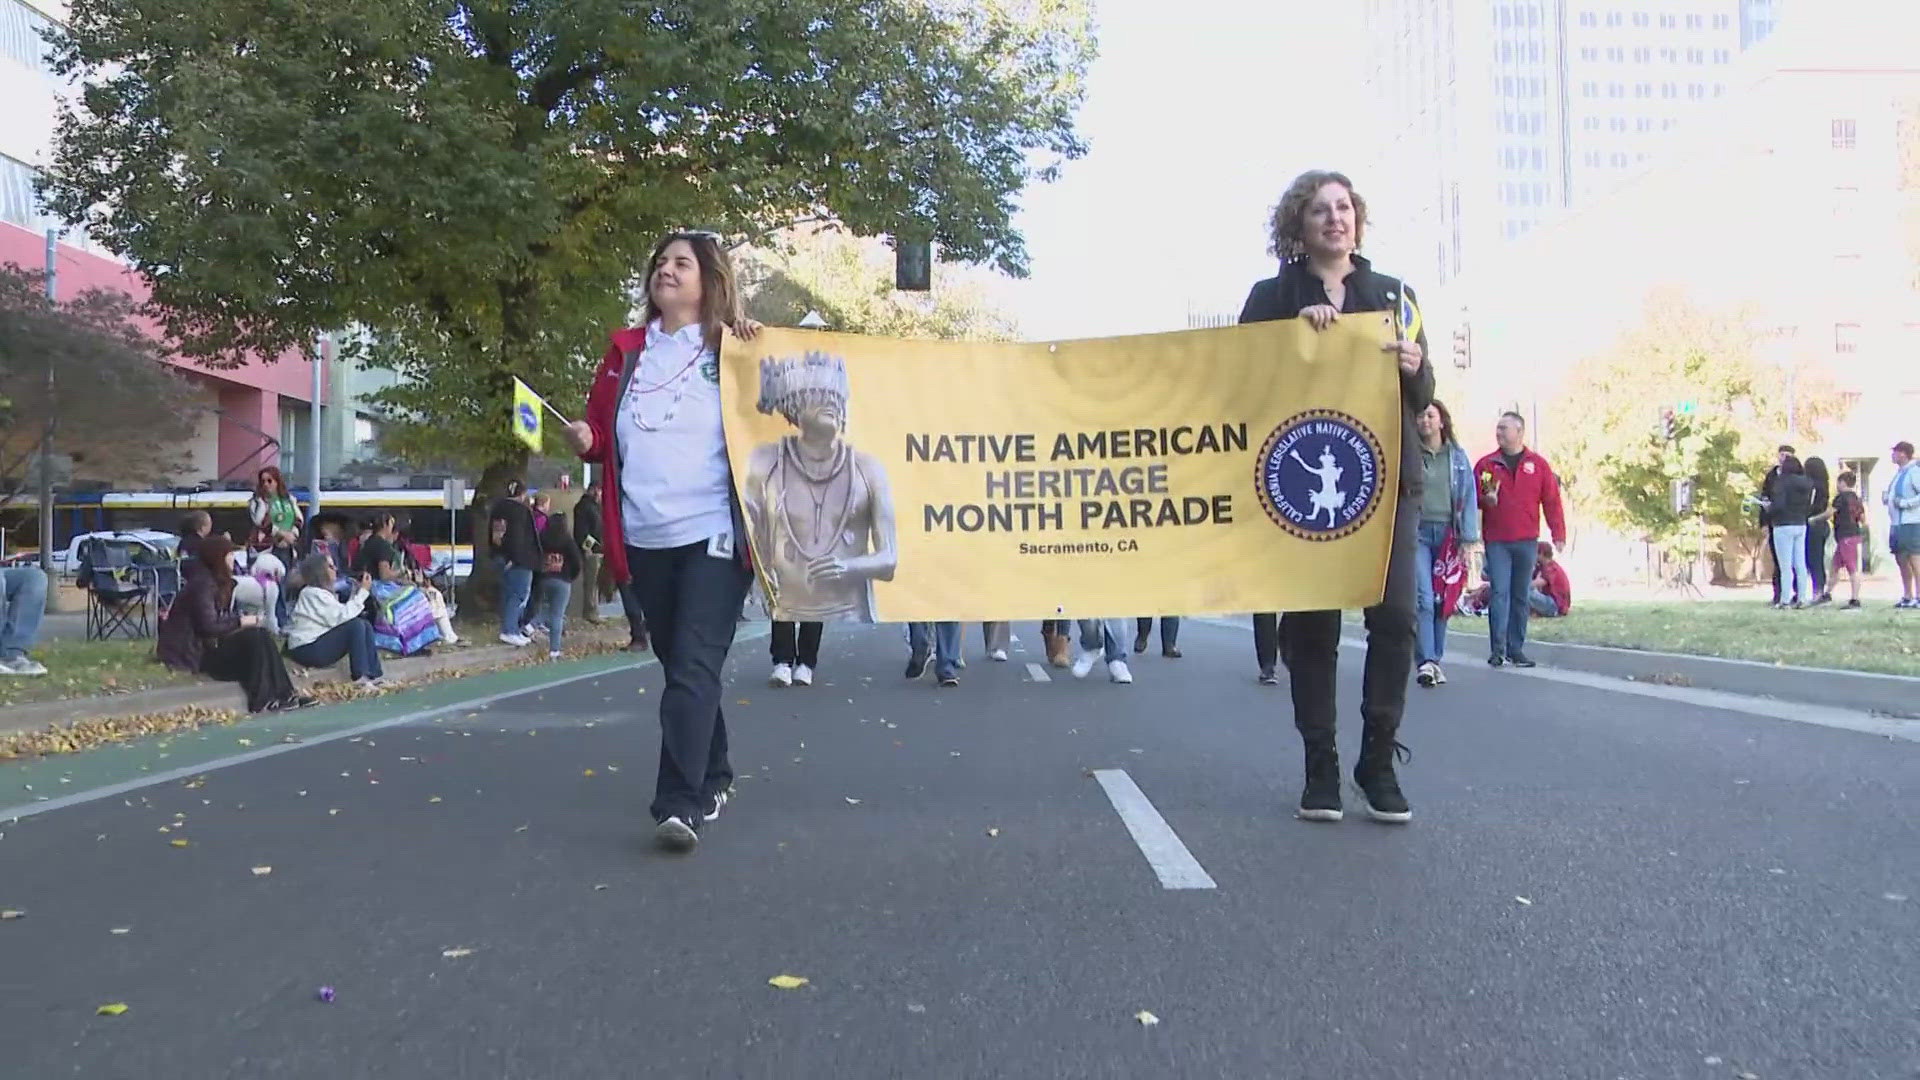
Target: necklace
{"x":678,"y":382}
{"x":825,"y":485}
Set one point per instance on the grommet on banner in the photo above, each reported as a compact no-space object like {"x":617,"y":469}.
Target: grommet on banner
{"x":1053,"y":348}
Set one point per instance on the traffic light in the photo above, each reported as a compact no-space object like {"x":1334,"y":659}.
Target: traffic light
{"x":1666,"y":425}
{"x":912,"y":265}
{"x":1462,"y":346}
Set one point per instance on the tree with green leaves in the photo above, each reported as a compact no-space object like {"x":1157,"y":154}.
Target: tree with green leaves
{"x":110,"y":390}
{"x":1728,"y":405}
{"x":849,"y":282}
{"x":471,"y":185}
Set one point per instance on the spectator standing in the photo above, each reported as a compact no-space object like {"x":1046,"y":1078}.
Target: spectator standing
{"x":23,"y":603}
{"x":1848,"y":515}
{"x":1902,"y":500}
{"x":516,"y":551}
{"x":275,"y":516}
{"x":1449,"y":521}
{"x":1790,"y":505}
{"x":560,"y":568}
{"x":1818,"y":529}
{"x":586,"y":536}
{"x":1516,"y":488}
{"x":1766,"y":514}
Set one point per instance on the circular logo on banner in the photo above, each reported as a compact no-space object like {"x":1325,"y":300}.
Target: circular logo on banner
{"x":1319,"y":475}
{"x":529,"y":418}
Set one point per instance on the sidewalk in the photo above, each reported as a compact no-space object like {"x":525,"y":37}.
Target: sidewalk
{"x":608,"y":636}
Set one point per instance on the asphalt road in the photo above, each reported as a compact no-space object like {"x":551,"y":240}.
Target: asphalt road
{"x":1594,"y":885}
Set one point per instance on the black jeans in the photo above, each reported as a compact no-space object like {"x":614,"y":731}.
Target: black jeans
{"x":691,"y":601}
{"x":797,"y":643}
{"x":250,"y":658}
{"x":352,"y":639}
{"x":1266,"y":640}
{"x":1169,"y":631}
{"x":1310,"y":641}
{"x":1818,"y":532}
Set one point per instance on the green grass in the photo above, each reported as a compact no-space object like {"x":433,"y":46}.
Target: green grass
{"x":1876,"y":638}
{"x":79,"y":669}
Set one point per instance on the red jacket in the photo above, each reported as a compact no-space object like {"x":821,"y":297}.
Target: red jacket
{"x":1512,"y":500}
{"x":603,"y":402}
{"x":1554,"y":577}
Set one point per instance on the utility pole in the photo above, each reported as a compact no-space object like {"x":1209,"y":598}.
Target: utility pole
{"x":313,"y":422}
{"x":46,"y":439}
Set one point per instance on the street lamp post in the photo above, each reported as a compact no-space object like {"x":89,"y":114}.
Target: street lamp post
{"x":46,"y":439}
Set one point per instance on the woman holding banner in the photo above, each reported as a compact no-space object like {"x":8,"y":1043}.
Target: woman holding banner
{"x":672,"y":527}
{"x":1316,"y":232}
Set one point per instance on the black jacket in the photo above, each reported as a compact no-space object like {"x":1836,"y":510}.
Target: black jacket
{"x":558,"y":540}
{"x":586,"y":522}
{"x":1297,"y":288}
{"x":521,"y":546}
{"x":1792,"y":500}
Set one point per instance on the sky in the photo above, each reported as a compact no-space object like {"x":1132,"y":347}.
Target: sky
{"x":1197,"y":115}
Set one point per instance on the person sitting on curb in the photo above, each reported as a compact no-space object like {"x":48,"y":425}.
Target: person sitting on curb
{"x":323,"y":628}
{"x":23,"y":602}
{"x":1552,"y":594}
{"x":202,"y":633}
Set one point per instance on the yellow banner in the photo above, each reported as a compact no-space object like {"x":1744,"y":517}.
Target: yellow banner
{"x":1251,"y":468}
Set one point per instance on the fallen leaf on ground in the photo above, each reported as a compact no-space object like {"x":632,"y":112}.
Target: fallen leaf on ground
{"x":244,"y":742}
{"x":120,"y":930}
{"x":586,"y":772}
{"x":1893,"y":896}
{"x":435,"y":799}
{"x":787,"y":982}
{"x":1523,"y":901}
{"x":1146,"y":1018}
{"x":916,"y":1008}
{"x":522,"y":828}
{"x":599,"y":888}
{"x":455,"y":954}
{"x":178,"y":843}
{"x":331,"y":813}
{"x":114,"y":1009}
{"x":262,"y":871}
{"x":993,"y":832}
{"x":851,"y":801}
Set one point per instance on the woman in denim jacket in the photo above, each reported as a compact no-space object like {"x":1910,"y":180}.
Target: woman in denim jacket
{"x":1448,"y":507}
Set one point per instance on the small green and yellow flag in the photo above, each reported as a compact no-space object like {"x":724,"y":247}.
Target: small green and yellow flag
{"x":527,"y":409}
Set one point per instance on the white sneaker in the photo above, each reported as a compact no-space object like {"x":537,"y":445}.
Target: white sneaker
{"x":518,"y":641}
{"x":1118,"y":671}
{"x":999,"y":655}
{"x":553,"y":654}
{"x":802,"y":675}
{"x":22,"y":665}
{"x":1083,"y":663}
{"x":1439,"y":675}
{"x":1428,"y":675}
{"x":676,"y":834}
{"x":782,"y":676}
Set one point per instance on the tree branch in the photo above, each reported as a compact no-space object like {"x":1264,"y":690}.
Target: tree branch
{"x":551,"y":89}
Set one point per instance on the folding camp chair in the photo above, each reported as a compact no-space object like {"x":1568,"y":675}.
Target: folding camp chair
{"x":116,"y":593}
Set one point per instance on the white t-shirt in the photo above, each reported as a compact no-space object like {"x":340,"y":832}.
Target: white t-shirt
{"x":674,"y":482}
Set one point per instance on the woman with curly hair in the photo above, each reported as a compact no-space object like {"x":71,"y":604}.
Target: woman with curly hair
{"x":1316,"y":233}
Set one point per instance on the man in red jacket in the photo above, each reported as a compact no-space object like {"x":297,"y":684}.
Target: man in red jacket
{"x":1516,"y":487}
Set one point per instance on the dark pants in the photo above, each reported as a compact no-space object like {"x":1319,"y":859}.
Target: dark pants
{"x":1510,"y":566}
{"x":250,"y":658}
{"x":1169,"y":632}
{"x":636,"y":619}
{"x":1266,"y":639}
{"x":1818,"y":533}
{"x":352,"y":639}
{"x":691,"y":603}
{"x":1310,"y":641}
{"x":1775,"y":560}
{"x":797,"y":643}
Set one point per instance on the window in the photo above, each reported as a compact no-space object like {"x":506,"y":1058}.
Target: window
{"x":1588,"y":53}
{"x":1722,"y":22}
{"x":1695,"y":22}
{"x":1642,"y":55}
{"x":1616,"y":54}
{"x":1539,"y":158}
{"x":20,"y":30}
{"x":1640,"y":18}
{"x":16,"y":194}
{"x":1667,"y":22}
{"x":1668,"y":90}
{"x":1844,"y":135}
{"x":1643,"y":90}
{"x":1696,"y":91}
{"x":1846,"y":337}
{"x":1722,"y":56}
{"x":1696,"y":56}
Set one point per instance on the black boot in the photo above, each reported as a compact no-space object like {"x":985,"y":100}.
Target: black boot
{"x":1373,"y":775}
{"x":1320,"y":801}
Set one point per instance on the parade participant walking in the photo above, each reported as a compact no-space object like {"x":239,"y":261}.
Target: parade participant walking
{"x":673,"y":528}
{"x":796,"y":652}
{"x":1516,"y":488}
{"x":941,"y":642}
{"x":1317,"y":229}
{"x":1103,"y":639}
{"x":1449,"y":524}
{"x":1169,"y":636}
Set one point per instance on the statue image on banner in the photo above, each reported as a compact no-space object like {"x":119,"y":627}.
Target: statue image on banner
{"x":821,"y":511}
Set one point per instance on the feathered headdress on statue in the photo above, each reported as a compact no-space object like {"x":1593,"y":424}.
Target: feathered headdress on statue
{"x":788,"y":384}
